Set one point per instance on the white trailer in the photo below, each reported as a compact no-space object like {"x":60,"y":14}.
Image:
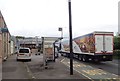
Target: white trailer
{"x":97,"y":46}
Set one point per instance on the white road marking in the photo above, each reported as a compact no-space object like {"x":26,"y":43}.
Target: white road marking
{"x":62,"y":60}
{"x":113,"y":63}
{"x":28,"y":70}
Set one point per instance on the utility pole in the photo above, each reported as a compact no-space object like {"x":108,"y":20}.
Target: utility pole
{"x":70,"y":38}
{"x":118,"y":18}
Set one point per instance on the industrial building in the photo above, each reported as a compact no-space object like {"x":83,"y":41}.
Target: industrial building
{"x":34,"y":43}
{"x":4,"y":39}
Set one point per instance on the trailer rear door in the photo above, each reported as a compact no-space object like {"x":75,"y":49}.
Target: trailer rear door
{"x":103,"y":43}
{"x":99,"y":43}
{"x":108,"y":43}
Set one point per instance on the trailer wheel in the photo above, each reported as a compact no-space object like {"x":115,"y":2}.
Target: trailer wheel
{"x":96,"y":60}
{"x":85,"y":58}
{"x":80,"y":58}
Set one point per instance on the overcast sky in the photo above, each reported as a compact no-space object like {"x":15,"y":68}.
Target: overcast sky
{"x":44,"y":17}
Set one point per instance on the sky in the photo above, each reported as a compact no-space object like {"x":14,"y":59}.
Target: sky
{"x":32,"y":18}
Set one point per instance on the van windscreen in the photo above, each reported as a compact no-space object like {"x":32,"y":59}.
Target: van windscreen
{"x":23,"y":51}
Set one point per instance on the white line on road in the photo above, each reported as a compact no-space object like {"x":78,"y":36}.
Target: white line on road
{"x":113,"y":63}
{"x":62,"y":60}
{"x":28,"y":70}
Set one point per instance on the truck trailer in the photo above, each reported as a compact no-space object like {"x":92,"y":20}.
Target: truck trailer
{"x":96,"y":46}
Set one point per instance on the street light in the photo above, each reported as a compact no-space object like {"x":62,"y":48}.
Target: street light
{"x":70,"y":37}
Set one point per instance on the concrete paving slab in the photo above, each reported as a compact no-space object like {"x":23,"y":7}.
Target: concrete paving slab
{"x":55,"y":70}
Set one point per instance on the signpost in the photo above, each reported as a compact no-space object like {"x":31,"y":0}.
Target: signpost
{"x":60,"y":29}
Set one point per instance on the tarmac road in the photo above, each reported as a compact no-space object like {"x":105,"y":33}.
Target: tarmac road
{"x":12,"y":69}
{"x":109,"y":66}
{"x":103,"y":70}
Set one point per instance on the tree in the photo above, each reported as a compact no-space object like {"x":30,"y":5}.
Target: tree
{"x":20,"y":37}
{"x":116,"y":43}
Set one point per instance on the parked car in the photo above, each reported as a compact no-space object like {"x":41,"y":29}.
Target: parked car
{"x":24,"y":54}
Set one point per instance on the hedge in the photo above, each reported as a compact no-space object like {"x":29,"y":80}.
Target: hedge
{"x":116,"y":54}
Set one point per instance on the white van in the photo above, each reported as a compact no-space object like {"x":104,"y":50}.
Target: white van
{"x":24,"y":54}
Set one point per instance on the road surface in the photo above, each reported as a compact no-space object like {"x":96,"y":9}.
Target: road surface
{"x":103,"y":70}
{"x":12,"y":69}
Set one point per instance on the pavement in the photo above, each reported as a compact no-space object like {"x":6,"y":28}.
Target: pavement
{"x":55,"y":70}
{"x":60,"y":70}
{"x":0,"y":71}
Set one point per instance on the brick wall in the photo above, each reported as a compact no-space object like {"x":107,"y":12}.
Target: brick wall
{"x":0,"y":48}
{"x":4,"y":39}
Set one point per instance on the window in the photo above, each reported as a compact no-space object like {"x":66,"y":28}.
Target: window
{"x":23,"y":51}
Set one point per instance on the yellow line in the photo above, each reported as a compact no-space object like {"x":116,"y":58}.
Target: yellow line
{"x":77,"y":71}
{"x":115,"y":75}
{"x":84,"y":75}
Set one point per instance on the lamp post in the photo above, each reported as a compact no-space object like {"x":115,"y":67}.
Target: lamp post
{"x":119,"y":19}
{"x":70,"y":38}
